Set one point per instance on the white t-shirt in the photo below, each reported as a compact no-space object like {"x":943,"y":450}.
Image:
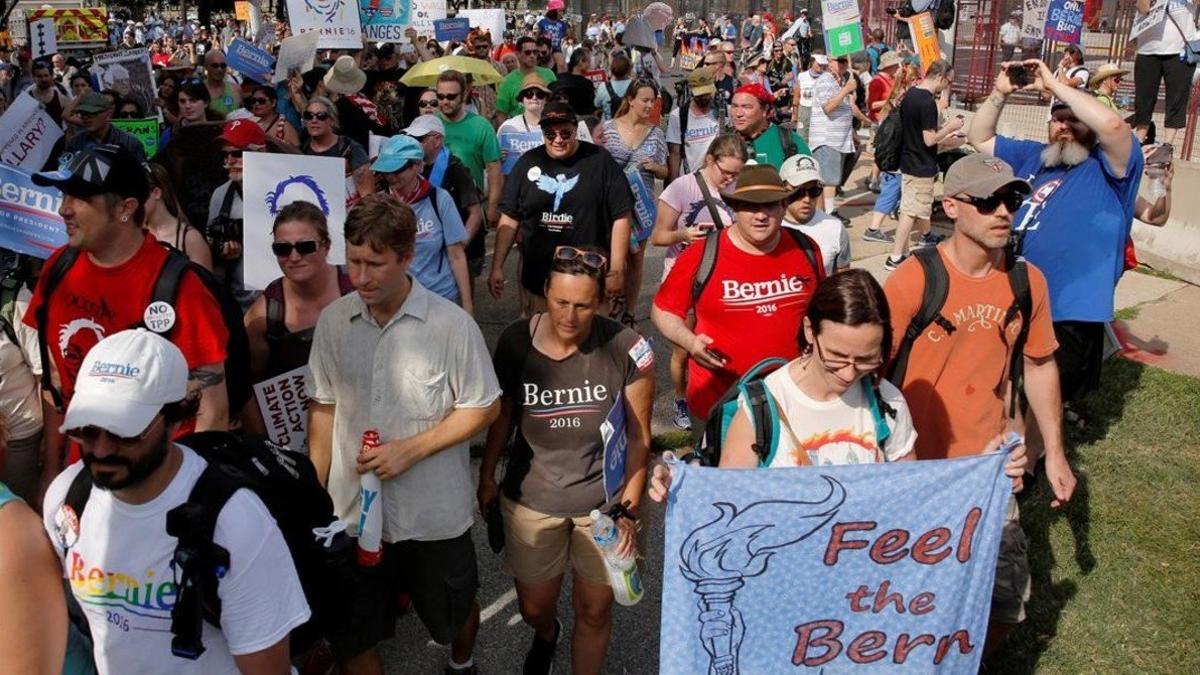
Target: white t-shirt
{"x":20,"y":370}
{"x":119,"y":572}
{"x":1164,"y":38}
{"x":701,"y":131}
{"x":841,"y":431}
{"x":1010,"y":34}
{"x":805,"y":81}
{"x":831,"y":237}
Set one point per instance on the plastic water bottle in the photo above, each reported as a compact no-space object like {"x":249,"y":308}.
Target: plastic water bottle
{"x":370,"y":519}
{"x":1156,"y":190}
{"x":623,"y":573}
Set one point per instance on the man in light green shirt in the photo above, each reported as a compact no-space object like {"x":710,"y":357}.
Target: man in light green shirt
{"x":510,"y":86}
{"x":471,"y":139}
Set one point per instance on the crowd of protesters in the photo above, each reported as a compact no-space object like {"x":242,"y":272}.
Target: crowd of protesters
{"x":573,"y":147}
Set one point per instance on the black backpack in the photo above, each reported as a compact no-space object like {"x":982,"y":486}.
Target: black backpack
{"x":943,"y":16}
{"x":166,"y":289}
{"x":889,"y":142}
{"x":287,"y":484}
{"x":614,"y":100}
{"x":937,"y":287}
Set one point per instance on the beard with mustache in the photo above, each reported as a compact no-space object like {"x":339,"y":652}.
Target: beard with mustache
{"x":1064,"y":153}
{"x":136,"y":470}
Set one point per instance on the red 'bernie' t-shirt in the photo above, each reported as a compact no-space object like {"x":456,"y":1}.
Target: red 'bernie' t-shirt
{"x":752,"y":308}
{"x":93,"y":302}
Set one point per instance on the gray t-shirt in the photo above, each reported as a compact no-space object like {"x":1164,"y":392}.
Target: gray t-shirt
{"x":557,"y":460}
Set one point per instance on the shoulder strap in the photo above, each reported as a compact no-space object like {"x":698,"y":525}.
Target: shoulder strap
{"x":937,"y":287}
{"x":708,"y":262}
{"x":759,"y":402}
{"x":166,"y":287}
{"x":276,"y":307}
{"x":875,"y":401}
{"x":1018,"y":281}
{"x":54,"y":277}
{"x":79,"y":492}
{"x":786,"y":141}
{"x":809,"y":247}
{"x":713,"y":211}
{"x":234,"y":189}
{"x":9,"y":289}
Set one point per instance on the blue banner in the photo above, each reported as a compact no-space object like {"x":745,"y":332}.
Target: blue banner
{"x":451,"y":30}
{"x":1064,"y":21}
{"x":830,"y":569}
{"x":250,"y":61}
{"x":29,"y":220}
{"x":616,"y":447}
{"x":513,"y":144}
{"x":645,"y":206}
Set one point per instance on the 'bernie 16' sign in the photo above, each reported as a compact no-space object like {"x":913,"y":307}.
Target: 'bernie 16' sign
{"x":832,"y":568}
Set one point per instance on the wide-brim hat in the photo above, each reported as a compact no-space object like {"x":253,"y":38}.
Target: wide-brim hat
{"x":889,"y":59}
{"x":345,"y":77}
{"x":760,"y":184}
{"x":1106,"y":71}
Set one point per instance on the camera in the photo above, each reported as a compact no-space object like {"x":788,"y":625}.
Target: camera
{"x":1019,"y":76}
{"x":224,"y":229}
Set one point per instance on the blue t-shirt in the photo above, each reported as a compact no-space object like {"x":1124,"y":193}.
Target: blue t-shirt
{"x":554,"y":31}
{"x":1075,"y":224}
{"x":431,"y":264}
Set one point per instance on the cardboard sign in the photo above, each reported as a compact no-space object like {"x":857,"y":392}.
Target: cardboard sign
{"x":250,"y":61}
{"x":29,"y":220}
{"x":513,"y":144}
{"x":296,"y":54}
{"x":145,"y":130}
{"x":241,"y":10}
{"x":1033,"y":19}
{"x":844,"y":40}
{"x":424,"y":13}
{"x":490,"y":20}
{"x":283,"y":403}
{"x":1143,"y":22}
{"x":861,"y":567}
{"x":1064,"y":21}
{"x":336,"y":21}
{"x":129,"y":73}
{"x":384,"y":20}
{"x":27,"y":134}
{"x":42,"y":39}
{"x":451,"y":30}
{"x":925,"y":38}
{"x":273,"y":181}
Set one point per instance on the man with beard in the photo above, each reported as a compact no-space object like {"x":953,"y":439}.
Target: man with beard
{"x":130,"y":400}
{"x":689,"y":145}
{"x":51,"y":94}
{"x":767,"y":143}
{"x":1074,"y":226}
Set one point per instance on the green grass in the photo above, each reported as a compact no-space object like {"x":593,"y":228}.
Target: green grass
{"x":1116,"y":576}
{"x":1128,"y":313}
{"x":1151,"y":272}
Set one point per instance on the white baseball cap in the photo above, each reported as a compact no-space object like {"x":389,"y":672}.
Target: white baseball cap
{"x":822,"y":59}
{"x":124,"y":382}
{"x":423,"y":125}
{"x":800,"y":169}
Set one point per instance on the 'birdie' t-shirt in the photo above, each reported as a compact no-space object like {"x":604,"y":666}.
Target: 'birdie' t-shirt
{"x":568,"y":202}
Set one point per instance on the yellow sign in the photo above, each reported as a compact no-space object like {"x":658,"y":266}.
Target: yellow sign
{"x":925,"y":38}
{"x":241,"y":10}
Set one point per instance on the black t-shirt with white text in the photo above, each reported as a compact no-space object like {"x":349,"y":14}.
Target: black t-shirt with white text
{"x":918,"y":113}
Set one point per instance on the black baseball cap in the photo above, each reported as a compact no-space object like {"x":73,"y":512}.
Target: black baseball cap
{"x":100,"y":169}
{"x":557,"y":112}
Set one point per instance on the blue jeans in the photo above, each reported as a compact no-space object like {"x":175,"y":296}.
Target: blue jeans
{"x":889,"y":192}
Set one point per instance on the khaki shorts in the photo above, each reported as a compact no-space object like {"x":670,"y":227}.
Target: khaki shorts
{"x":916,"y":196}
{"x":1012,"y":587}
{"x":537,"y":546}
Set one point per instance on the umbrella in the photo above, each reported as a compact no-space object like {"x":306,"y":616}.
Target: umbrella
{"x":659,"y":14}
{"x":425,"y":74}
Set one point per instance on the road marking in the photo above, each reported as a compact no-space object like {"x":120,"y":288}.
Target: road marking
{"x":498,"y":604}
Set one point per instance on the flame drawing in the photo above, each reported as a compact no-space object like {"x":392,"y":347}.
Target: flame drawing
{"x":738,"y":543}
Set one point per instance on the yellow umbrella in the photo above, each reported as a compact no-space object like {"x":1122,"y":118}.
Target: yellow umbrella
{"x":425,"y":74}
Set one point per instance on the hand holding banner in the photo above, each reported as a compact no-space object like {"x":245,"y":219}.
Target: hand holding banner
{"x":27,"y":134}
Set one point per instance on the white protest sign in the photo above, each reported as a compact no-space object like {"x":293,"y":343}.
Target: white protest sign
{"x":839,"y":12}
{"x":284,"y":406}
{"x":335,"y":20}
{"x":1033,"y":21}
{"x":296,"y":52}
{"x":42,"y":38}
{"x":424,"y":12}
{"x":27,"y":134}
{"x":272,"y":181}
{"x":491,"y":20}
{"x":1142,"y":22}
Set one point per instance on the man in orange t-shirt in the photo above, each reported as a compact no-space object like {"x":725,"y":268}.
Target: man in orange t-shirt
{"x":956,"y":382}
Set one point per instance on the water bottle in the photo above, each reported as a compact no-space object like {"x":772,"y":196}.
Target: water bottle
{"x":623,"y":573}
{"x":1156,"y":190}
{"x":370,"y":519}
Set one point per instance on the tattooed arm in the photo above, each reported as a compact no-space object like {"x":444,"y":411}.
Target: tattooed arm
{"x":208,"y":382}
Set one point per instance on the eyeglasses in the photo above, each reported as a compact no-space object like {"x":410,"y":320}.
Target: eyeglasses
{"x":834,"y":365}
{"x":533,"y":93}
{"x":235,"y":154}
{"x":283,"y":249}
{"x":260,"y":101}
{"x":427,"y":103}
{"x":726,"y":173}
{"x":308,"y":116}
{"x":529,"y":52}
{"x":90,"y":435}
{"x":591,"y":259}
{"x":810,"y":192}
{"x":1011,"y":199}
{"x":217,"y":65}
{"x":447,"y":97}
{"x":560,"y":135}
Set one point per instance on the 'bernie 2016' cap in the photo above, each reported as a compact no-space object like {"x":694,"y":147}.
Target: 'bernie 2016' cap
{"x":980,"y":175}
{"x":100,"y":169}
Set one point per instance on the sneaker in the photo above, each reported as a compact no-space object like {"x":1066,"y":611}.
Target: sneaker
{"x":540,"y":658}
{"x":892,"y":263}
{"x":877,"y":235}
{"x":681,"y":419}
{"x":929,"y":239}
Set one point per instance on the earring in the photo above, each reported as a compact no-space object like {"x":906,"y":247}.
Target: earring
{"x":124,"y":219}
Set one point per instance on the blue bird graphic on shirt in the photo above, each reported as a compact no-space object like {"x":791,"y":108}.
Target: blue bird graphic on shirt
{"x":558,"y":186}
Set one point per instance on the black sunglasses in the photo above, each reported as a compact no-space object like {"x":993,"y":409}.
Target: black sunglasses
{"x":561,"y":134}
{"x":427,"y":103}
{"x":1011,"y":199}
{"x":810,"y":192}
{"x":447,"y":97}
{"x":259,"y":101}
{"x":315,"y":116}
{"x":283,"y":249}
{"x":533,"y":93}
{"x":236,"y":154}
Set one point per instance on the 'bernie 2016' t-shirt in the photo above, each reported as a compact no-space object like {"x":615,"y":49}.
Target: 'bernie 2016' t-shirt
{"x":568,"y":202}
{"x":557,"y":463}
{"x":751,"y":307}
{"x":1075,"y":223}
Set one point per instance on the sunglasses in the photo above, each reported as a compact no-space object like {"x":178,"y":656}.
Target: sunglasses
{"x":1011,"y":199}
{"x":560,"y":135}
{"x":447,"y":97}
{"x":283,"y":249}
{"x":427,"y":103}
{"x":91,"y":434}
{"x":529,"y":52}
{"x":810,"y":192}
{"x":308,"y":116}
{"x":260,"y":101}
{"x":217,"y":65}
{"x":534,"y":93}
{"x":590,"y":259}
{"x":235,"y":154}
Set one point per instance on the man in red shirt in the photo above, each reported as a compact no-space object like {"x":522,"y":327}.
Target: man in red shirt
{"x":109,"y":288}
{"x":753,"y":303}
{"x":882,"y":84}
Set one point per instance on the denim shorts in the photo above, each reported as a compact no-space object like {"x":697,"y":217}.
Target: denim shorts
{"x":889,"y":193}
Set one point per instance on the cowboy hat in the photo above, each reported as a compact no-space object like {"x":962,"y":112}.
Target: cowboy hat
{"x":1104,"y":72}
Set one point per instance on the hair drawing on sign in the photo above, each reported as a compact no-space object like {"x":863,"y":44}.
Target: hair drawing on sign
{"x":326,"y":8}
{"x":302,"y":183}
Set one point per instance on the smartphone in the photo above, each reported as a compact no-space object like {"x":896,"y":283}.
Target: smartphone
{"x":1161,"y":155}
{"x":716,"y":354}
{"x":705,"y":228}
{"x":1019,"y":76}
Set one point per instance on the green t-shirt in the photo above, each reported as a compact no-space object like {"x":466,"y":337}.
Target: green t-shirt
{"x":768,"y":147}
{"x":510,"y":86}
{"x":473,"y":141}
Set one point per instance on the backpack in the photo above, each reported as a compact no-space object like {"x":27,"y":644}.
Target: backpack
{"x":889,"y":142}
{"x":708,"y":259}
{"x":937,"y":287}
{"x":287,"y":484}
{"x":764,"y":415}
{"x":614,"y":101}
{"x":943,"y":16}
{"x":166,"y":289}
{"x":874,"y":51}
